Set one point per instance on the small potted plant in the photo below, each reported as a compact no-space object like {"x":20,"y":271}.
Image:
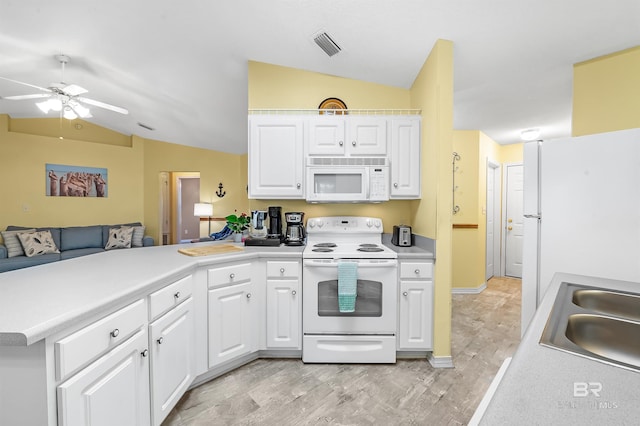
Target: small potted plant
{"x":238,"y":223}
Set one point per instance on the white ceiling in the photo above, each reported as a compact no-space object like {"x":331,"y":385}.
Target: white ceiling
{"x":181,"y":66}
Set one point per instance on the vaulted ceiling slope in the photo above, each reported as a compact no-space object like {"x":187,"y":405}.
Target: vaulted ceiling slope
{"x":180,"y":67}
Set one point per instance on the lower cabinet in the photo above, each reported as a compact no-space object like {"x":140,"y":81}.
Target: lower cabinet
{"x":284,"y":305}
{"x":113,"y":390}
{"x":171,"y":346}
{"x":415,"y":307}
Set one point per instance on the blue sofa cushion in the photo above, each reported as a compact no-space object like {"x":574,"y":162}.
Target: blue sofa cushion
{"x":20,"y":262}
{"x":77,"y":237}
{"x":70,"y":254}
{"x":55,"y":232}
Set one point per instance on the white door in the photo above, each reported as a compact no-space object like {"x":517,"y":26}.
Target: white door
{"x":367,"y":136}
{"x":283,"y":320}
{"x":514,"y":220}
{"x":492,"y":267}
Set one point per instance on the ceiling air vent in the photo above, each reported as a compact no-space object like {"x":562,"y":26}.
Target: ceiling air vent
{"x":144,"y":126}
{"x":326,"y":43}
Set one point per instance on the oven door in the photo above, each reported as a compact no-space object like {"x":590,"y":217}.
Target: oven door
{"x":337,"y":184}
{"x":376,"y":301}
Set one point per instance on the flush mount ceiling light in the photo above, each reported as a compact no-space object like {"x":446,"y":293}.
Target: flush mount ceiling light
{"x":63,"y":98}
{"x":530,"y":134}
{"x":326,"y":43}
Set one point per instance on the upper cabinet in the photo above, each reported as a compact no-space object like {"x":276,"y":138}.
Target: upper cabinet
{"x":347,"y":135}
{"x":404,"y":158}
{"x":276,"y":157}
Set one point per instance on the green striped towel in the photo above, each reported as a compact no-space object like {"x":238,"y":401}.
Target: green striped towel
{"x":347,"y":286}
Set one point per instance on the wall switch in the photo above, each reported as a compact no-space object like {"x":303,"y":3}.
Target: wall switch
{"x":26,"y":208}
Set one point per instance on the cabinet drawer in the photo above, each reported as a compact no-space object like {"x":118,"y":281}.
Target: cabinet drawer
{"x":170,"y":296}
{"x":84,"y":345}
{"x":422,"y":270}
{"x":283,"y":269}
{"x":229,"y":275}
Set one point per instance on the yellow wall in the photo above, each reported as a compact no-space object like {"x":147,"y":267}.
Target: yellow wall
{"x":606,"y":93}
{"x":273,"y":87}
{"x":432,"y":92}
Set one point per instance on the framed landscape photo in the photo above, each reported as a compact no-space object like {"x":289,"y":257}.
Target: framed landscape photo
{"x":75,"y":181}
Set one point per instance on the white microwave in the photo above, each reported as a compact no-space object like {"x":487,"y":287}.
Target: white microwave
{"x":347,"y":180}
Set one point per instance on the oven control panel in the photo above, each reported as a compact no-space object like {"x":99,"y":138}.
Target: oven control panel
{"x":344,"y":223}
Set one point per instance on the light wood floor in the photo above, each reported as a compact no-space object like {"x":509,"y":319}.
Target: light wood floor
{"x":485,"y":330}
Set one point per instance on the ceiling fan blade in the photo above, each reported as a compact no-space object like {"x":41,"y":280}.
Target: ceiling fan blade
{"x":103,"y":105}
{"x":44,"y":89}
{"x":22,"y":97}
{"x":74,"y":90}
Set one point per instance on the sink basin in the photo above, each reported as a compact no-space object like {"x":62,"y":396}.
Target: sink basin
{"x":610,"y":338}
{"x":595,"y":323}
{"x":623,"y":305}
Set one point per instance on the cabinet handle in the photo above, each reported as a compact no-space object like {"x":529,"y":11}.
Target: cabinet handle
{"x":160,"y":340}
{"x":232,"y":276}
{"x":293,"y":292}
{"x":353,"y":143}
{"x":115,"y":332}
{"x":417,"y":271}
{"x":282,"y":270}
{"x":248,"y":295}
{"x":298,"y":185}
{"x":145,"y":353}
{"x":177,"y":295}
{"x":405,"y":294}
{"x":395,"y":185}
{"x":341,"y":143}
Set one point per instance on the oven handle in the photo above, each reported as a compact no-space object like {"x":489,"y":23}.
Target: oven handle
{"x":386,"y":263}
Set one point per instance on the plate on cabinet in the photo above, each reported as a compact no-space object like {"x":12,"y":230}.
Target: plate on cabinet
{"x":334,"y":106}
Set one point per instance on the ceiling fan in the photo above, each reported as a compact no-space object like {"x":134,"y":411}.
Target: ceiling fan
{"x":63,"y":98}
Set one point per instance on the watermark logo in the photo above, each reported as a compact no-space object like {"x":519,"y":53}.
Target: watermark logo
{"x":583,"y":389}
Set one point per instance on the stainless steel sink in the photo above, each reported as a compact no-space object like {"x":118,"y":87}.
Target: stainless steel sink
{"x":595,"y":323}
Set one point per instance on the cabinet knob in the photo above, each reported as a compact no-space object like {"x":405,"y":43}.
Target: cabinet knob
{"x":115,"y":332}
{"x":145,"y":353}
{"x":232,"y":275}
{"x":417,"y":271}
{"x":395,"y":185}
{"x":353,"y":143}
{"x":248,"y":295}
{"x":293,"y":292}
{"x":510,"y":228}
{"x":160,"y":340}
{"x":405,"y":294}
{"x":177,"y":295}
{"x":298,"y":186}
{"x":341,"y":143}
{"x":282,"y":270}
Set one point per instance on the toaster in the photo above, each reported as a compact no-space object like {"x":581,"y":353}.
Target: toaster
{"x":401,"y":236}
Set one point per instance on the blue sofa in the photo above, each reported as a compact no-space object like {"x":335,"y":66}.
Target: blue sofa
{"x":71,"y":241}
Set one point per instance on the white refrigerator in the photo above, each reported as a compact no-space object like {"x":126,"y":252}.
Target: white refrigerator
{"x":582,"y":211}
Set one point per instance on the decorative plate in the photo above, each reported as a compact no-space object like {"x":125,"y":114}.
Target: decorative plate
{"x":332,"y":104}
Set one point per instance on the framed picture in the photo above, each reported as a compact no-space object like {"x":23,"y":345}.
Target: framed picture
{"x":75,"y":181}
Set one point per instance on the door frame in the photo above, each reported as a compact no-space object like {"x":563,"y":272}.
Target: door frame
{"x":503,"y":222}
{"x":496,"y":169}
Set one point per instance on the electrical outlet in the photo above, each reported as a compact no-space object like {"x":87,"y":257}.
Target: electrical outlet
{"x":26,"y":208}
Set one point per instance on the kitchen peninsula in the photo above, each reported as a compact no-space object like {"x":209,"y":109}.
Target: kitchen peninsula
{"x":114,"y":315}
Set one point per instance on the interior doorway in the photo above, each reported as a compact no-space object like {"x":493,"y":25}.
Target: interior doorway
{"x":513,"y":223}
{"x":492,"y":266}
{"x":179,"y":191}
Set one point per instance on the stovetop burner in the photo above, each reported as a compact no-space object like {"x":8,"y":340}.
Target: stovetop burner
{"x":326,"y":245}
{"x":368,"y":245}
{"x":322,"y":250}
{"x":370,"y":249}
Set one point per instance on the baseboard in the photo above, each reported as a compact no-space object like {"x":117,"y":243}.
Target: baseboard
{"x":469,"y":290}
{"x":440,"y":361}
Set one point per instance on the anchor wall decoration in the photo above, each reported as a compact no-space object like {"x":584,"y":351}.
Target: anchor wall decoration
{"x":220,"y":193}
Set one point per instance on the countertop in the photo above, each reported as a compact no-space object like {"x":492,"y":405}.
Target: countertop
{"x":39,"y":301}
{"x":538,"y":386}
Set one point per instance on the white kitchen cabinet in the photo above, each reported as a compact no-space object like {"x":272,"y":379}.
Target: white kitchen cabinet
{"x":284,"y":305}
{"x":415,"y":325}
{"x":171,"y":345}
{"x":347,"y":135}
{"x":404,"y":158}
{"x":232,"y":313}
{"x":276,"y":157}
{"x":113,"y":390}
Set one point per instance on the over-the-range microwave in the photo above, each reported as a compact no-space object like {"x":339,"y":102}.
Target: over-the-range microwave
{"x":347,"y":180}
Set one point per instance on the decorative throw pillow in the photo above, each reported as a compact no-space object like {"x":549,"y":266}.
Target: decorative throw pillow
{"x":12,"y":242}
{"x":119,"y":238}
{"x":138,"y":234}
{"x":37,"y":243}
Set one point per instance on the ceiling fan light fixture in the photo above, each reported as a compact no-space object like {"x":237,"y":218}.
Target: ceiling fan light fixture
{"x":80,"y":110}
{"x":44,"y":106}
{"x":69,"y":114}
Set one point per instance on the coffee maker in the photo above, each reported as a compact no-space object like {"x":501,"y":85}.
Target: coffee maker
{"x":257,"y":228}
{"x":294,"y":236}
{"x":275,"y":223}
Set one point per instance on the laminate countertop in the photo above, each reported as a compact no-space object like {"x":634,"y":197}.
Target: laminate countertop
{"x":547,"y":386}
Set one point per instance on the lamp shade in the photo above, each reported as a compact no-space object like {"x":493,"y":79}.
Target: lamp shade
{"x":203,"y":209}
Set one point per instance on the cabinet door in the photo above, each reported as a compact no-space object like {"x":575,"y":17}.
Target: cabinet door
{"x":172,"y":360}
{"x":416,"y":315}
{"x":114,"y":390}
{"x":230,"y":318}
{"x":283,"y":314}
{"x":405,"y":158}
{"x":367,"y":136}
{"x":276,"y":161}
{"x":326,"y":136}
